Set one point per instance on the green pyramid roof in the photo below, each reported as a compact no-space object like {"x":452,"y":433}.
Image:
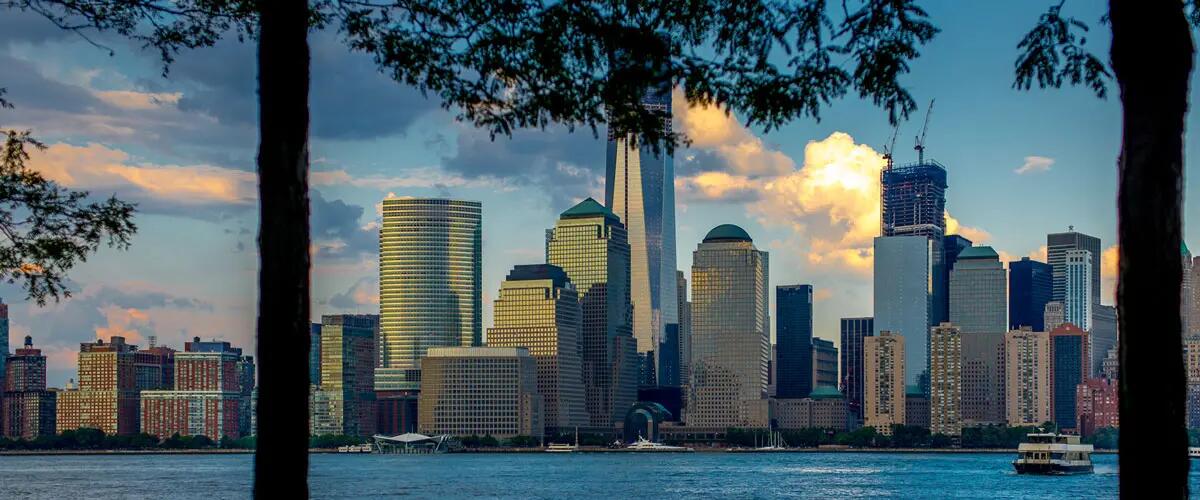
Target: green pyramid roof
{"x":1183,"y":248}
{"x":588,"y":208}
{"x":981,"y":252}
{"x":727,"y":232}
{"x":825,"y":392}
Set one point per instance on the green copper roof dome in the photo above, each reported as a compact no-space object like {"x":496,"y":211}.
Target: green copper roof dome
{"x":982,"y":252}
{"x":588,"y":208}
{"x":727,"y":232}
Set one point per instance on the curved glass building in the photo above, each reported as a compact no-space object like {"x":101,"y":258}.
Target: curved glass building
{"x":430,"y":284}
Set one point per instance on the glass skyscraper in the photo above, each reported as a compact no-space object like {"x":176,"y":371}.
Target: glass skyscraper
{"x":793,"y":341}
{"x":730,"y":332}
{"x":1069,"y":364}
{"x":977,"y":292}
{"x":854,"y":331}
{"x":1030,"y":284}
{"x":904,"y":300}
{"x":640,"y":189}
{"x":1077,"y":297}
{"x":1057,"y":245}
{"x":589,"y":244}
{"x":913,"y":202}
{"x":430,"y":284}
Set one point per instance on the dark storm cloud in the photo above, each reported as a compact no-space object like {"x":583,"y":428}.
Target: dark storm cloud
{"x":338,"y":221}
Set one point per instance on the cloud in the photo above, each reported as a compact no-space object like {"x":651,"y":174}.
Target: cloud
{"x":130,"y":99}
{"x":1034,"y":164}
{"x":1109,"y":269}
{"x":976,"y":235}
{"x":337,"y":231}
{"x":822,"y":294}
{"x":420,"y":177}
{"x":364,"y":292}
{"x":177,"y":189}
{"x":124,"y":322}
{"x":736,"y":149}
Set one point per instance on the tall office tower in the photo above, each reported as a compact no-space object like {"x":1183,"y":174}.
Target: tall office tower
{"x":1054,"y":315}
{"x":480,"y":391}
{"x":904,"y":279}
{"x":1057,"y":246}
{"x":345,"y":403}
{"x":3,"y":335}
{"x":1193,"y":302}
{"x":983,"y":379}
{"x":589,"y":244}
{"x":640,"y":189}
{"x":913,"y":202}
{"x":314,"y":354}
{"x":107,"y":397}
{"x":731,"y":330}
{"x":854,"y":332}
{"x":793,"y":341}
{"x":1070,"y":367}
{"x":825,"y":364}
{"x":1191,"y":357}
{"x":685,"y":330}
{"x":952,"y":245}
{"x":883,"y":381}
{"x":538,"y":309}
{"x":26,"y":407}
{"x":430,"y":284}
{"x":977,"y":292}
{"x":1027,"y":377}
{"x":945,"y":380}
{"x":1104,"y":337}
{"x":207,"y":397}
{"x":1185,"y":288}
{"x":1030,"y":284}
{"x":1077,"y":304}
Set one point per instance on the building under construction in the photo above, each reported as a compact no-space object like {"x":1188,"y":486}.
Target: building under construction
{"x":913,"y":200}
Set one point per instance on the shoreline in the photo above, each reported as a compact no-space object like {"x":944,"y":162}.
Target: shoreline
{"x":12,"y":453}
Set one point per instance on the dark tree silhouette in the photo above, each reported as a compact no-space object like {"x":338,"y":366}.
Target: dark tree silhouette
{"x":46,"y":229}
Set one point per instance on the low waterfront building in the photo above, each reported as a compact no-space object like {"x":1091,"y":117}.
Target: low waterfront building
{"x":27,"y":409}
{"x":1096,"y":406}
{"x":480,"y":391}
{"x":208,"y":397}
{"x":1191,"y":356}
{"x":825,"y":408}
{"x":983,"y":379}
{"x":916,"y":408}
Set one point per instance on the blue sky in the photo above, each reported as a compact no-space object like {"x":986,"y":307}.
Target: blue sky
{"x":183,"y":148}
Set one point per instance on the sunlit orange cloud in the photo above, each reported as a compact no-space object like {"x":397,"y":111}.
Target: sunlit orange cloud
{"x":98,"y":167}
{"x":141,"y":101}
{"x":713,"y":129}
{"x":976,"y":235}
{"x":1109,"y":259}
{"x":123,"y":322}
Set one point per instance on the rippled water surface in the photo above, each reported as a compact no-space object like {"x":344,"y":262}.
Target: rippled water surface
{"x":583,"y":475}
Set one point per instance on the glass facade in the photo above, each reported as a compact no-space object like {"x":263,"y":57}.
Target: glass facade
{"x":430,"y":284}
{"x":589,"y":244}
{"x":640,"y":190}
{"x":854,"y":331}
{"x":1077,"y":298}
{"x":347,"y":390}
{"x":913,"y":203}
{"x":538,"y":309}
{"x":1069,"y":365}
{"x":978,"y":289}
{"x":793,"y":341}
{"x":730,"y":332}
{"x":1030,"y":286}
{"x":904,"y":298}
{"x":1057,"y":246}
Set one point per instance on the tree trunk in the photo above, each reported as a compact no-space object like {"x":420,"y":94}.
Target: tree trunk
{"x":281,"y":461}
{"x":1152,"y":59}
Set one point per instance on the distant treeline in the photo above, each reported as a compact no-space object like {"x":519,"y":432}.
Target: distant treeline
{"x":906,"y":436}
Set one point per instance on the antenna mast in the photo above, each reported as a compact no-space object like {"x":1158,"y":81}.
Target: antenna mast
{"x":920,"y":147}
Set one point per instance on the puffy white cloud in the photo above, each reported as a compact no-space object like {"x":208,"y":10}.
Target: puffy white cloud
{"x":976,"y":235}
{"x":1034,"y":164}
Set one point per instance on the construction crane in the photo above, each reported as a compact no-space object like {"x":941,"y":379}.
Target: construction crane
{"x":920,"y":147}
{"x":890,"y":147}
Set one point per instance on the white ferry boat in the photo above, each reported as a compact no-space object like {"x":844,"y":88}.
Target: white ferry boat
{"x":355,"y":448}
{"x":1194,"y":452}
{"x":561,"y":448}
{"x":643,"y":444}
{"x":1052,"y":453}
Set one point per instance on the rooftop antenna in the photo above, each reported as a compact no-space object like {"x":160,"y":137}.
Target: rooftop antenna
{"x":890,"y":147}
{"x":920,"y":147}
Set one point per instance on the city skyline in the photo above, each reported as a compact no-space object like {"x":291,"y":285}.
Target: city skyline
{"x":719,"y":181}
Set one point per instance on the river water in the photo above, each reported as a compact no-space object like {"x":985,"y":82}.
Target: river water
{"x":575,"y":476}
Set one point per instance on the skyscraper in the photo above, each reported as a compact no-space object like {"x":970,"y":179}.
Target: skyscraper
{"x":952,"y":245}
{"x":314,"y":354}
{"x":983,"y":379}
{"x":430,"y":284}
{"x":904,"y":298}
{"x":884,"y":388}
{"x":1054,"y":315}
{"x":345,"y":403}
{"x":1030,"y":285}
{"x":913,"y":202}
{"x":1104,"y":336}
{"x":1078,"y":305}
{"x":854,"y":332}
{"x":977,"y":292}
{"x":1193,"y":302}
{"x":1027,"y":379}
{"x":825,"y":364}
{"x":1057,"y":245}
{"x":640,"y":190}
{"x":945,"y":380}
{"x":589,"y":245}
{"x":107,"y":397}
{"x":1069,"y":367}
{"x":3,"y":336}
{"x":27,"y":409}
{"x":685,"y":330}
{"x":538,"y":309}
{"x":730,"y":331}
{"x":793,"y":341}
{"x":1185,"y":289}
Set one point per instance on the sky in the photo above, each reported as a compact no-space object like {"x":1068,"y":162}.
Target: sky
{"x":1021,"y":164}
